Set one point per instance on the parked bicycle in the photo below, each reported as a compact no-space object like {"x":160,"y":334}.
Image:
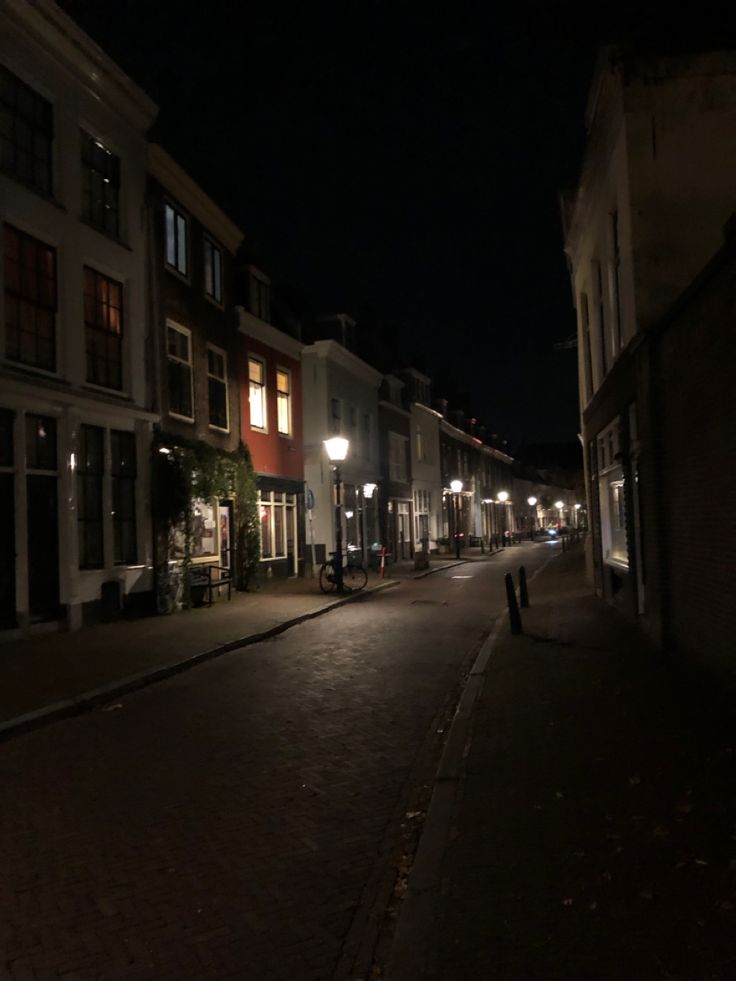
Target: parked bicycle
{"x":354,"y":576}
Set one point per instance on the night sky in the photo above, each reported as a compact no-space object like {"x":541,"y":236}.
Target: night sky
{"x":398,"y":162}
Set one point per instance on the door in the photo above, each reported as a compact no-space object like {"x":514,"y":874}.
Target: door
{"x":43,"y":548}
{"x":292,"y":551}
{"x":7,"y":550}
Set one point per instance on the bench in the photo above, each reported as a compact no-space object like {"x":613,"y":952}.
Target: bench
{"x":201,"y":578}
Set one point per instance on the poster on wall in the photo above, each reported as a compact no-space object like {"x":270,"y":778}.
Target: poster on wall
{"x":204,"y":532}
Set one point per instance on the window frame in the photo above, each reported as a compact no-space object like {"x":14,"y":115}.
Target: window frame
{"x":257,"y":359}
{"x":96,"y":328}
{"x":119,"y":480}
{"x":50,"y":309}
{"x":37,"y":131}
{"x":109,"y":177}
{"x":288,"y":395}
{"x":179,"y":328}
{"x":178,"y":213}
{"x":90,"y":477}
{"x":211,"y":248}
{"x":219,"y":352}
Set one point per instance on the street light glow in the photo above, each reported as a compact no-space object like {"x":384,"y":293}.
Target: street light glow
{"x":456,"y":486}
{"x":337,"y":448}
{"x":368,"y":491}
{"x":531,"y":501}
{"x":559,"y":504}
{"x":503,"y":496}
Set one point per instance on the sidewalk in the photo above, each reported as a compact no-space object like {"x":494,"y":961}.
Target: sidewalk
{"x":583,"y":824}
{"x":53,"y":674}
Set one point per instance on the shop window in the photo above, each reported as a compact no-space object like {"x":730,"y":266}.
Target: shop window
{"x":277,"y":512}
{"x":90,"y":476}
{"x":30,"y":300}
{"x":103,"y":328}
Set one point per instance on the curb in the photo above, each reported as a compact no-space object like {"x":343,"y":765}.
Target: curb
{"x":419,"y":910}
{"x":89,"y":699}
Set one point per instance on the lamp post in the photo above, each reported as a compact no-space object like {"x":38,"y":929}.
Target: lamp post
{"x":337,"y":449}
{"x":559,"y":505}
{"x":503,"y":496}
{"x":456,"y":486}
{"x":368,"y":491}
{"x":531,"y":501}
{"x":577,"y":515}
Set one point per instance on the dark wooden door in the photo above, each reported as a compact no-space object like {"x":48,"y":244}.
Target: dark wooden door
{"x":43,"y":547}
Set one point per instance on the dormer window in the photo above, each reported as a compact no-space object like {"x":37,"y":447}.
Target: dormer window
{"x":176,"y":239}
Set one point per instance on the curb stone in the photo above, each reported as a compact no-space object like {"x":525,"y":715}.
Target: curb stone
{"x":96,"y":696}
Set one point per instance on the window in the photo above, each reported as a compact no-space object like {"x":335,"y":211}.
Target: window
{"x":396,"y":457}
{"x":90,"y":475}
{"x":179,"y":352}
{"x":419,"y":444}
{"x":176,"y":239}
{"x":615,"y":286}
{"x":257,"y":393}
{"x":336,"y":413}
{"x":217,"y":387}
{"x":283,"y":401}
{"x":100,"y":185}
{"x":260,"y":298}
{"x":123,"y":472}
{"x":278,"y":511}
{"x":26,"y":132}
{"x":103,"y":328}
{"x":212,"y":271}
{"x":40,"y":442}
{"x":612,"y":496}
{"x":587,"y":355}
{"x":30,"y":300}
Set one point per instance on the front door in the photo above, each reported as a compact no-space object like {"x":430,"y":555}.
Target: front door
{"x":43,"y":547}
{"x":7,"y":550}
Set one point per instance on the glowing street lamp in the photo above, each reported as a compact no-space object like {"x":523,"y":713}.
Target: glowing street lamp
{"x":456,"y":487}
{"x":337,"y":449}
{"x":531,"y":501}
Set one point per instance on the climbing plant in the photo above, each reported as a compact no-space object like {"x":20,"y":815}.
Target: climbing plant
{"x":186,"y":471}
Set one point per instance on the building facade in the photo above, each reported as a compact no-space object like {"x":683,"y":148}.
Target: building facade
{"x":424,"y":444}
{"x":272,"y":426}
{"x":194,"y":338}
{"x":341,"y":399}
{"x":75,"y":411}
{"x":655,"y":191}
{"x":395,"y":487}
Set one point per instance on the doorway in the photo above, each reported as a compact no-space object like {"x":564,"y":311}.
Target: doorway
{"x":43,"y":548}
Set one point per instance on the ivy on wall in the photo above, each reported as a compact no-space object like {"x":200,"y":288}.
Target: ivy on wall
{"x":185,"y":471}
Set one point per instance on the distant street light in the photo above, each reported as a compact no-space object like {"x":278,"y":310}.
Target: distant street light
{"x":456,"y":487}
{"x":531,"y":501}
{"x":337,"y":449}
{"x":559,"y":505}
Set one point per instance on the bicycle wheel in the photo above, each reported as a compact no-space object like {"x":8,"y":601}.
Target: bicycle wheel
{"x":355,"y":578}
{"x":327,"y":578}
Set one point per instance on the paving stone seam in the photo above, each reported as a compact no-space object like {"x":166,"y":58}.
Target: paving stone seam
{"x":98,"y":696}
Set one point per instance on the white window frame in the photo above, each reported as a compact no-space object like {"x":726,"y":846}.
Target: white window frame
{"x":174,"y":266}
{"x":222,"y":354}
{"x":213,"y":271}
{"x":172,"y":325}
{"x":263,"y":390}
{"x":280,"y":370}
{"x":289,"y":506}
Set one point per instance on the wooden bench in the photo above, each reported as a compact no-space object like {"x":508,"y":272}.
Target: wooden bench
{"x":201,"y":577}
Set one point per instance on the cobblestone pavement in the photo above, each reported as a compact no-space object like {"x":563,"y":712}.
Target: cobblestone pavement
{"x":238,"y":820}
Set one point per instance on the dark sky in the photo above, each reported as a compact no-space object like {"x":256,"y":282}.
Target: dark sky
{"x":397,"y":161}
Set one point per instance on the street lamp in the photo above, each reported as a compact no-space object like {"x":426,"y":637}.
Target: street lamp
{"x":559,"y":505}
{"x":531,"y":501}
{"x":337,"y":449}
{"x":456,"y":486}
{"x":503,"y":496}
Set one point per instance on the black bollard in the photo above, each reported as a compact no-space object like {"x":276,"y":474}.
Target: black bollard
{"x":514,"y":615}
{"x":482,"y":546}
{"x":523,"y":594}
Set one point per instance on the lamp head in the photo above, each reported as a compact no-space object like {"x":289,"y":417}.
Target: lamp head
{"x":456,"y":486}
{"x":531,"y":501}
{"x":368,"y":491}
{"x":503,"y":496}
{"x":337,"y":448}
{"x":559,"y":504}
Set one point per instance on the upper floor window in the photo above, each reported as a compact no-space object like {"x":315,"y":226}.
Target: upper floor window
{"x":100,"y":185}
{"x":419,"y":444}
{"x":260,"y":298}
{"x":103,"y":329}
{"x":396,"y":456}
{"x":30,"y":300}
{"x":90,"y":476}
{"x":212,"y":271}
{"x":336,"y":414}
{"x":283,"y":401}
{"x":217,"y":387}
{"x":179,"y":352}
{"x":176,"y":239}
{"x":26,"y":132}
{"x":257,"y":393}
